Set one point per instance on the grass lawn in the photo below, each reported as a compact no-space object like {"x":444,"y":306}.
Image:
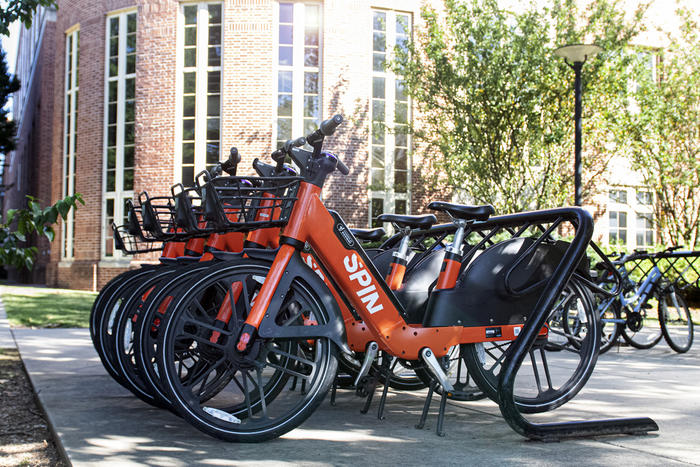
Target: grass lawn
{"x":44,"y":307}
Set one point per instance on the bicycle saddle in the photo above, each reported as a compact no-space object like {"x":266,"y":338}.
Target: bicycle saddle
{"x":402,"y":220}
{"x":369,"y":235}
{"x":463,"y":211}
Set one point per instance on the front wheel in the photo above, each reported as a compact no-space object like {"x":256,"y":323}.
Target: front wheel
{"x":676,"y":321}
{"x":238,"y":396}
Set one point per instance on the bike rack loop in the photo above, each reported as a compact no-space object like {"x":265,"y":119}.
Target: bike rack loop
{"x":520,"y":347}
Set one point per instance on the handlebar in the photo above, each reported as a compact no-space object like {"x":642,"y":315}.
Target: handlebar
{"x":326,"y":128}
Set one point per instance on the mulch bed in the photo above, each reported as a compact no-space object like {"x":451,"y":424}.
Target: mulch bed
{"x":25,"y":439}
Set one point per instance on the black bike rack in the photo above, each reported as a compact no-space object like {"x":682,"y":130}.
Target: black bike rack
{"x":520,"y":347}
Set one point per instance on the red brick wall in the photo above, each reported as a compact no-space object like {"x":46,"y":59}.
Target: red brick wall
{"x":248,"y":107}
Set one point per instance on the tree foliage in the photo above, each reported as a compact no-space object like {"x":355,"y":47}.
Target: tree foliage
{"x":8,"y":85}
{"x":19,"y":224}
{"x":497,"y":105}
{"x":664,"y":131}
{"x":22,"y":10}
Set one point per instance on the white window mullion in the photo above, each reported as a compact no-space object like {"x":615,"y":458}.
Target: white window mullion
{"x":121,"y":97}
{"x":298,"y":71}
{"x":200,"y":128}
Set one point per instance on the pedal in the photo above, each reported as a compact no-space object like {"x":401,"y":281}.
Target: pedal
{"x":365,"y":386}
{"x":435,"y":369}
{"x":370,"y":356}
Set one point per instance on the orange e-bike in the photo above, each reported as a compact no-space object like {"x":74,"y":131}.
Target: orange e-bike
{"x":286,"y":324}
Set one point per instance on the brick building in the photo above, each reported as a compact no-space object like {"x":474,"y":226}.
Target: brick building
{"x":131,"y":95}
{"x":121,"y":96}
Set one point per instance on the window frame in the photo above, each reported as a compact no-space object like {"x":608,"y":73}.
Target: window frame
{"x":118,"y":196}
{"x":298,"y":93}
{"x":202,"y":68}
{"x":389,"y":196}
{"x":69,"y":136}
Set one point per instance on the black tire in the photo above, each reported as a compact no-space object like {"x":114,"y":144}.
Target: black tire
{"x":643,"y":330}
{"x":125,"y":328}
{"x":575,"y":357}
{"x":676,"y":321}
{"x":98,"y":306}
{"x":251,"y":384}
{"x":109,"y":312}
{"x":146,"y":327}
{"x":610,"y":330}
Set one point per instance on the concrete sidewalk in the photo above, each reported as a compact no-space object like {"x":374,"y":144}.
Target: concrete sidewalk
{"x":100,"y":423}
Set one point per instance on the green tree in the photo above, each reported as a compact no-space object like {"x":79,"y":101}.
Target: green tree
{"x":664,"y":128}
{"x":498,"y":105}
{"x":8,"y":85}
{"x":22,"y":10}
{"x":19,"y":224}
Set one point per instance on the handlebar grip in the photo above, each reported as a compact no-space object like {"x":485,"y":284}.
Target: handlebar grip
{"x":342,"y":168}
{"x":229,"y":166}
{"x":294,"y":143}
{"x":279,"y":156}
{"x":327,"y":127}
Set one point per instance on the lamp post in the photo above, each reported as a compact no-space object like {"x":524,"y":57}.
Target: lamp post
{"x":575,"y":56}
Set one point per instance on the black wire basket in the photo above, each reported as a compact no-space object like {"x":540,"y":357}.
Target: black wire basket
{"x":132,"y":244}
{"x":248,"y":203}
{"x":158,"y":219}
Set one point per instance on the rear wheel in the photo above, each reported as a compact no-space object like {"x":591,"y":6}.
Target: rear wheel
{"x":676,"y":321}
{"x":559,"y":363}
{"x":238,"y":396}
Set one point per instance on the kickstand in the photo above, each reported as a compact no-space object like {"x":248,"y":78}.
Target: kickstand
{"x":371,"y":386}
{"x":386,"y":362}
{"x":334,"y":389}
{"x":441,"y":414}
{"x":426,"y":406}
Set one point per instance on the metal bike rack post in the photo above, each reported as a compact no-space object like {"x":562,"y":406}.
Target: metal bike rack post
{"x":520,"y":347}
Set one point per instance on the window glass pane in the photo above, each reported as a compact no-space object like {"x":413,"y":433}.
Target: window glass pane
{"x":113,"y":28}
{"x":286,"y":12}
{"x":212,"y":153}
{"x":378,"y":156}
{"x":378,"y":111}
{"x":190,"y":14}
{"x":131,"y":23}
{"x":130,"y":88}
{"x":311,"y":15}
{"x":286,"y":35}
{"x":378,"y":90}
{"x":188,"y":129}
{"x":284,"y":81}
{"x":378,"y":62}
{"x":111,"y":180}
{"x":111,"y":158}
{"x":190,"y":57}
{"x":376,"y":208}
{"x":128,"y":179}
{"x":188,"y":106}
{"x":214,"y":14}
{"x":190,"y":36}
{"x":215,"y":35}
{"x":131,"y":43}
{"x":130,"y":64}
{"x":401,"y":112}
{"x":114,"y":46}
{"x":129,"y":156}
{"x":623,"y":219}
{"x":129,"y":133}
{"x":284,"y":105}
{"x":284,"y":128}
{"x":379,"y":44}
{"x":311,"y":56}
{"x":612,"y":219}
{"x":213,"y":129}
{"x":188,"y":153}
{"x":311,"y":36}
{"x":379,"y":21}
{"x":190,"y":81}
{"x":311,"y":106}
{"x":129,"y":110}
{"x":285,"y":56}
{"x":188,"y":176}
{"x":400,"y":206}
{"x":400,"y":181}
{"x":113,"y":66}
{"x":214,"y":82}
{"x":215,"y":56}
{"x":310,"y":83}
{"x":213,"y":104}
{"x":400,"y":159}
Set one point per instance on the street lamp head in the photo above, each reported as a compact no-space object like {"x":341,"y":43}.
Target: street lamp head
{"x":577,"y":53}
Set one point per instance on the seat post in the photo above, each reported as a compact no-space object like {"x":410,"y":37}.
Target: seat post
{"x":452,"y":262}
{"x":397,"y":269}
